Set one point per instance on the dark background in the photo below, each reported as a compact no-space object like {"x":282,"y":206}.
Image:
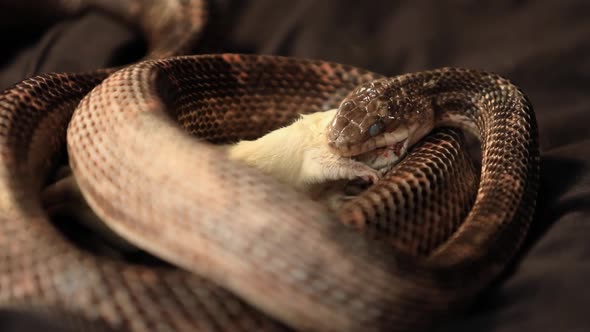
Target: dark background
{"x":543,"y":46}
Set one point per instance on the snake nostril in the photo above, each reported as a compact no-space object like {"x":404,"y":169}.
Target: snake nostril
{"x":344,"y":140}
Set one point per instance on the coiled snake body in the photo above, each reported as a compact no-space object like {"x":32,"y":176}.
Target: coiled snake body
{"x":258,"y":253}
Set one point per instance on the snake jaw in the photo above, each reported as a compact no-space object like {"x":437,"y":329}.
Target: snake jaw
{"x":385,"y":155}
{"x":399,"y":148}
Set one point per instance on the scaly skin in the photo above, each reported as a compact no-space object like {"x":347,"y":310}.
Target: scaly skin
{"x":244,"y":230}
{"x":250,"y":242}
{"x":407,"y":107}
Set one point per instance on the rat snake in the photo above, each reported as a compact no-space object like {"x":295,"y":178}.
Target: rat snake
{"x":254,"y":255}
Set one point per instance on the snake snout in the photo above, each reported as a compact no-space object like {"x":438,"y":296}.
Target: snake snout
{"x":341,"y":144}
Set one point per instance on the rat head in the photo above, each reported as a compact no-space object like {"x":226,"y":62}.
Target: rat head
{"x":378,"y":121}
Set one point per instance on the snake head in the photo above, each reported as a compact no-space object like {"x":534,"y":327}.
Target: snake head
{"x":380,"y":120}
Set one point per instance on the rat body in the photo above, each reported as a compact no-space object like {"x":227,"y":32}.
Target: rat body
{"x":299,"y":154}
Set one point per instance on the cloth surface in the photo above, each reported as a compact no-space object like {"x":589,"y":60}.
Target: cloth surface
{"x":543,"y":46}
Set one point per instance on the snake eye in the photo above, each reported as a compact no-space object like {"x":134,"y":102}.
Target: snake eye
{"x":376,"y":128}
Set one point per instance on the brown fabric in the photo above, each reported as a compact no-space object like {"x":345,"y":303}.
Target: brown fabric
{"x":543,"y":46}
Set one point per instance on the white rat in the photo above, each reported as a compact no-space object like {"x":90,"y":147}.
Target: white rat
{"x":299,"y":154}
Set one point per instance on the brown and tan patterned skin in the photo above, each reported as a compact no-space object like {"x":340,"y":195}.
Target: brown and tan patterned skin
{"x":437,"y":166}
{"x":483,"y":103}
{"x":254,"y":248}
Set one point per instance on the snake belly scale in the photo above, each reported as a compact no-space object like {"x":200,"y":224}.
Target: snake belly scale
{"x":253,"y":254}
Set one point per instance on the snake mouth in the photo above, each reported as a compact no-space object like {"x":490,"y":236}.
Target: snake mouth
{"x":396,"y":148}
{"x":383,"y":156}
{"x":390,"y":141}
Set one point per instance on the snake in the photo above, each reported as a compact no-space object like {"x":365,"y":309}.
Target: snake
{"x":246,"y":252}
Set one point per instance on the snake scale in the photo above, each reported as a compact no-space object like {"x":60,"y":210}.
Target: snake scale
{"x":253,"y":254}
